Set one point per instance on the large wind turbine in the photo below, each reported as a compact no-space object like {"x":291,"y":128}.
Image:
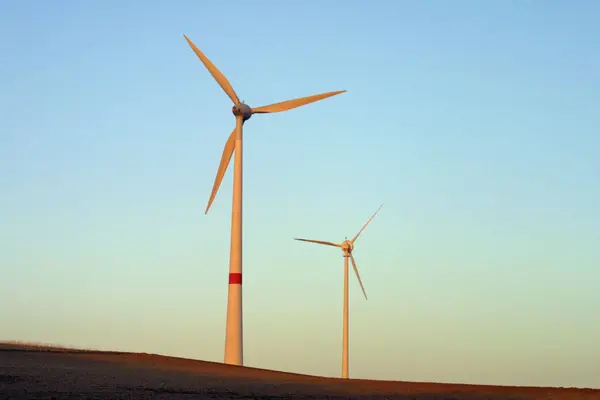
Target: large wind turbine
{"x":242,"y":112}
{"x":347,"y":246}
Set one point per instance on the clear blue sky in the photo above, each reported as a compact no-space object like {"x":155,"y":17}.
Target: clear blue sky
{"x":475,"y":122}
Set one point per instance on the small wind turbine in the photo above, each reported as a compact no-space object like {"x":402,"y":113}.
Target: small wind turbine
{"x":242,"y":112}
{"x":347,"y":246}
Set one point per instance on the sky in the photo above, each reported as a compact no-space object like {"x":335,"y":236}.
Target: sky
{"x":475,"y":124}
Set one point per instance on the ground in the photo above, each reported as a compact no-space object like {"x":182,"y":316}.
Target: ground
{"x":32,"y":372}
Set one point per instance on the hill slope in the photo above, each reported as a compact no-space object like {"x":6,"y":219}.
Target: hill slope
{"x":31,"y":371}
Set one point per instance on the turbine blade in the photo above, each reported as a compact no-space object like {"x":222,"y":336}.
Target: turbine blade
{"x":319,"y":242}
{"x":289,"y":104}
{"x":225,"y":158}
{"x":358,"y":275}
{"x":214,"y":71}
{"x":368,"y":222}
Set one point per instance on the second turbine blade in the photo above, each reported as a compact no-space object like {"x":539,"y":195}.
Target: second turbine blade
{"x":368,"y":222}
{"x":357,"y":275}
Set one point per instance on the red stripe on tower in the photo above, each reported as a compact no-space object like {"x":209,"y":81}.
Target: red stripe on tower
{"x":235,"y":278}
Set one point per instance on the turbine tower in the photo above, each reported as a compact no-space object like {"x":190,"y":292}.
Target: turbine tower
{"x":347,"y":247}
{"x":242,"y":113}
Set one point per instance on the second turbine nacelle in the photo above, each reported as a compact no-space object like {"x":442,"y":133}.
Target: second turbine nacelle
{"x":347,"y":246}
{"x":242,"y":110}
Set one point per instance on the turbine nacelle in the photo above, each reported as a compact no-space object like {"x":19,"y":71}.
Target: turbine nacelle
{"x":347,"y":247}
{"x":242,"y":110}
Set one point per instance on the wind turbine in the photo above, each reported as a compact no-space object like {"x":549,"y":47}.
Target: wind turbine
{"x":347,"y":246}
{"x":242,"y":113}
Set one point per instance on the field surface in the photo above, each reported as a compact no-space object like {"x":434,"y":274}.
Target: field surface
{"x":33,"y":372}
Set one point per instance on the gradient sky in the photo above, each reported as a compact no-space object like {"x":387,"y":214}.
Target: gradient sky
{"x":475,"y":122}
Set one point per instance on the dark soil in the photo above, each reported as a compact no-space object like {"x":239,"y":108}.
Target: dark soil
{"x":50,"y":373}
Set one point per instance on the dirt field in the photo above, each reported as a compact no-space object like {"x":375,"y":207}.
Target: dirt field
{"x":28,"y":372}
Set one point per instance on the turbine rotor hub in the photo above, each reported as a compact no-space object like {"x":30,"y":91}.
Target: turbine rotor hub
{"x":242,"y":110}
{"x":347,"y":246}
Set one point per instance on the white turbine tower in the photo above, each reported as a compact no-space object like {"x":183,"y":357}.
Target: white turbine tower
{"x":347,"y":246}
{"x":242,"y":113}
